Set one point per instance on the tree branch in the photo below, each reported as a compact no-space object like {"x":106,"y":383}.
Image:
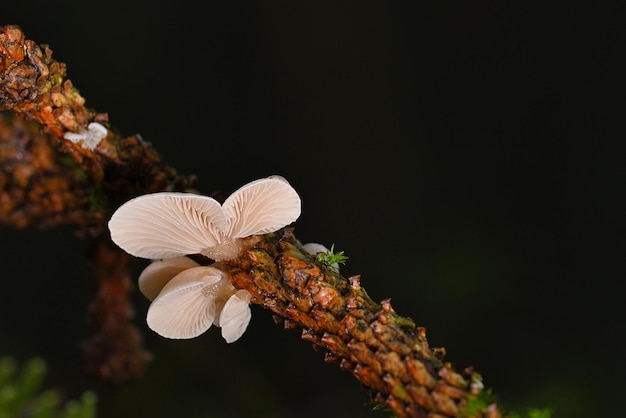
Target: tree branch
{"x":41,"y":186}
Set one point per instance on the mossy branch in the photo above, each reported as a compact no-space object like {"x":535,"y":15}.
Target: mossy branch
{"x":386,"y":352}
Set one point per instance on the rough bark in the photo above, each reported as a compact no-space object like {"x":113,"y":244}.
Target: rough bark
{"x":33,"y":87}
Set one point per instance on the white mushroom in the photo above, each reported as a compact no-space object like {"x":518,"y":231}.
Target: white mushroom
{"x":90,"y":137}
{"x":235,"y":315}
{"x":314,"y":248}
{"x":167,"y":225}
{"x":195,"y":299}
{"x":184,"y":309}
{"x":188,"y":298}
{"x":154,"y":277}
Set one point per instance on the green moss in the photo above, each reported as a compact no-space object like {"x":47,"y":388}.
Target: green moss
{"x":477,"y":404}
{"x":330,"y":257}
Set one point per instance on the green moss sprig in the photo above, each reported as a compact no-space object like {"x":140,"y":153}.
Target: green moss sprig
{"x":330,"y":257}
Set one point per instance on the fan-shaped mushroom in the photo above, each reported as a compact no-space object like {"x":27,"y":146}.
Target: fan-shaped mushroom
{"x":188,"y":298}
{"x":168,"y":224}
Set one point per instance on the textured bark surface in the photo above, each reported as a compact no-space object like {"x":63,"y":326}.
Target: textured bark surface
{"x":33,"y":87}
{"x":386,"y":352}
{"x":47,"y":181}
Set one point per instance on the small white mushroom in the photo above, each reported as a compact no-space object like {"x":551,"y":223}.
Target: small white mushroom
{"x":167,"y":225}
{"x":314,"y":248}
{"x":185,"y":308}
{"x":90,"y":137}
{"x":154,"y":277}
{"x":189,"y":298}
{"x":235,"y":315}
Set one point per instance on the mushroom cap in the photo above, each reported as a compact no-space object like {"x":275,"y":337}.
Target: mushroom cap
{"x":167,"y":225}
{"x":314,"y":248}
{"x":154,"y":277}
{"x":235,"y":316}
{"x":261,"y":206}
{"x":185,"y":308}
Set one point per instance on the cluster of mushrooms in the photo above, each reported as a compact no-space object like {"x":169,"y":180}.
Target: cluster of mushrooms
{"x":187,"y":298}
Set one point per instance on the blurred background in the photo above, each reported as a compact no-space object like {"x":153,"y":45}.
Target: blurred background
{"x":464,"y":156}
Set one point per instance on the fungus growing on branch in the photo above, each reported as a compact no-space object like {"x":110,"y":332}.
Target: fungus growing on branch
{"x":168,"y":224}
{"x":188,"y":298}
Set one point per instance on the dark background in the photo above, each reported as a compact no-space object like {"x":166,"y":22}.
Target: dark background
{"x":464,"y":155}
